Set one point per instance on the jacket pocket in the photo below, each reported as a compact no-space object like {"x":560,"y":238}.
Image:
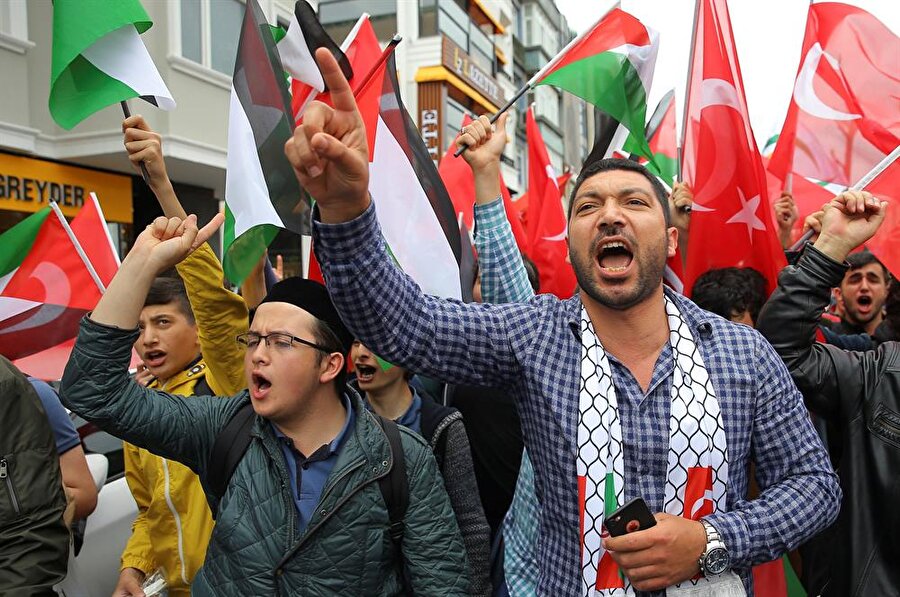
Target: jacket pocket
{"x":7,"y":480}
{"x":886,"y":425}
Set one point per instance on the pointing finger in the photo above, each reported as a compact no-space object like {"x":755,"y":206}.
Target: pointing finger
{"x":341,"y":95}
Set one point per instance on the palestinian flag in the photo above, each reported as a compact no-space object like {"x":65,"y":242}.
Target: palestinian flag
{"x":415,"y":212}
{"x":662,"y":140}
{"x":262,"y":194}
{"x":611,"y":66}
{"x":45,"y":286}
{"x":297,"y":49}
{"x":100,"y":60}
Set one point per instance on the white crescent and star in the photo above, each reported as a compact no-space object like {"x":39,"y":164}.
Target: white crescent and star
{"x":804,"y":92}
{"x":747,"y":214}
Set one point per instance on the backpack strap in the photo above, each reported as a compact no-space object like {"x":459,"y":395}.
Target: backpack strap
{"x":228,"y":449}
{"x":395,"y":490}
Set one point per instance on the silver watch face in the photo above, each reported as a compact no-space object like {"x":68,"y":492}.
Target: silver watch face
{"x":716,"y":561}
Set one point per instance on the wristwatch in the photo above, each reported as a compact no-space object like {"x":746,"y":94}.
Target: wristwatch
{"x":716,"y":559}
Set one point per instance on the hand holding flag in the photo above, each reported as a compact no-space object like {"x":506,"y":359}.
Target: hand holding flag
{"x":329,"y":151}
{"x":849,"y":220}
{"x":145,"y":149}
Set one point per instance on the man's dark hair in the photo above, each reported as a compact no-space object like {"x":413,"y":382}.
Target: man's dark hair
{"x":532,"y":271}
{"x":325,"y":336}
{"x":170,"y":289}
{"x":730,"y":291}
{"x":609,"y":164}
{"x":864,"y":258}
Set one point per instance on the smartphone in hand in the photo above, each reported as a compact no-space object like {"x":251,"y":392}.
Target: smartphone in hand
{"x":634,"y":515}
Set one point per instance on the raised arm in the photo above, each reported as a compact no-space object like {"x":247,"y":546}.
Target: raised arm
{"x":219,"y":313}
{"x":383,"y":307}
{"x":96,"y":384}
{"x":831,"y":379}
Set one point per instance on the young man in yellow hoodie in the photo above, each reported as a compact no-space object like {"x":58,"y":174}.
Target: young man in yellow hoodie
{"x":187,"y":343}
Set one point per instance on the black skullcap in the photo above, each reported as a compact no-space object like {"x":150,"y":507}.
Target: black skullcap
{"x":313,"y":298}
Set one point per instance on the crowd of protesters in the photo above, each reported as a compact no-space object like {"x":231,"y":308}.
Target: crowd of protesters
{"x":479,"y":448}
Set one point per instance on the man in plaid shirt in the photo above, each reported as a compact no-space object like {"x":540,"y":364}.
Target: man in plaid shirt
{"x":534,"y":349}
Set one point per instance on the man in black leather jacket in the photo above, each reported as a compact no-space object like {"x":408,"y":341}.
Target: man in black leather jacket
{"x":859,"y":392}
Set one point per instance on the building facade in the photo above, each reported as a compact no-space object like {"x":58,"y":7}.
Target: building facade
{"x":457,"y":57}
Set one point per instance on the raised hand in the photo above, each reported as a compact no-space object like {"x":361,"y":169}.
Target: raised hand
{"x":681,"y":201}
{"x":785,"y":215}
{"x":167,"y":241}
{"x":485,"y":141}
{"x":849,"y":220}
{"x":328,"y":151}
{"x":144,"y":145}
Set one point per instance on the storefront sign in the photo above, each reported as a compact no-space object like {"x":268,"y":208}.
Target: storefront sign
{"x":431,"y":132}
{"x":29,"y":184}
{"x":457,"y":61}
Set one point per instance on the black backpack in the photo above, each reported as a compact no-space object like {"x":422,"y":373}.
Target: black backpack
{"x":34,"y":539}
{"x":233,"y":440}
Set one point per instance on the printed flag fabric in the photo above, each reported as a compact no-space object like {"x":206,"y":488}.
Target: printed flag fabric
{"x":460,"y":183}
{"x":360,"y":48}
{"x":612,"y":67}
{"x":844,"y":115}
{"x":297,"y":49}
{"x":886,"y":242}
{"x":262,"y":194}
{"x":45,"y":287}
{"x":730,"y":223}
{"x":99,"y":59}
{"x":415,"y":212}
{"x":546,"y":221}
{"x":661,"y":137}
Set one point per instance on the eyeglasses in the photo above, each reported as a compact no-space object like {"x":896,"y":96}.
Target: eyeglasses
{"x":250,"y":340}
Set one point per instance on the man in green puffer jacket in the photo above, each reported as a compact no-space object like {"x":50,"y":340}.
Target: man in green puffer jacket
{"x":287,"y":524}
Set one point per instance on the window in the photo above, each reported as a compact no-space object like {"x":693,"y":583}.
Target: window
{"x":14,"y":26}
{"x":453,"y":119}
{"x":339,"y":16}
{"x":210,"y":32}
{"x":427,"y":18}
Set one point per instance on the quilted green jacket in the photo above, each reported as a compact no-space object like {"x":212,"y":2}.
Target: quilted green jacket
{"x":255,"y":547}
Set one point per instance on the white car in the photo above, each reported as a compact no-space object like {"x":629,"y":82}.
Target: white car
{"x":95,"y":571}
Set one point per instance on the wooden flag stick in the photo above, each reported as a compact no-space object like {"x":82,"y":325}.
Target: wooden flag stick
{"x":78,"y":248}
{"x":144,"y":174}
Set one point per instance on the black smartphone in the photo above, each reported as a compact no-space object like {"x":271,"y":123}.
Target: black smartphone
{"x":633,"y":511}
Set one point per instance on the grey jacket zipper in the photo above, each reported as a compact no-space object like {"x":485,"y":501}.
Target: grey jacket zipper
{"x":4,"y":474}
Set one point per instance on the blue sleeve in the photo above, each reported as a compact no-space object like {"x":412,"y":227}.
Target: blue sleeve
{"x":63,"y":428}
{"x":503,"y":275}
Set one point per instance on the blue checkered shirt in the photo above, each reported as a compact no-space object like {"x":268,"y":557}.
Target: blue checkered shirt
{"x":504,"y":280}
{"x":533,"y":349}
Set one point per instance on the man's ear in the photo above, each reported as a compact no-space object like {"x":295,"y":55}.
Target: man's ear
{"x":330,"y":367}
{"x":671,"y":241}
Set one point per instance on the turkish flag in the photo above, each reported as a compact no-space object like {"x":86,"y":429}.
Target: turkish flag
{"x":886,"y":242}
{"x":843,"y":117}
{"x":730,"y":222}
{"x":546,"y":222}
{"x":361,"y":48}
{"x":55,"y":290}
{"x":460,"y":183}
{"x":89,"y":227}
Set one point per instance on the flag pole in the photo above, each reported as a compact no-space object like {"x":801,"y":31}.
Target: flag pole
{"x":528,"y":86}
{"x":687,"y":91}
{"x":78,"y":248}
{"x":388,"y":50}
{"x":861,"y":184}
{"x":144,"y":174}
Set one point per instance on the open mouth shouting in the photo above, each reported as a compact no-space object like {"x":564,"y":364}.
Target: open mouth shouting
{"x":259,"y":386}
{"x":154,"y":358}
{"x":864,"y":304}
{"x":614,"y":256}
{"x":364,"y":373}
